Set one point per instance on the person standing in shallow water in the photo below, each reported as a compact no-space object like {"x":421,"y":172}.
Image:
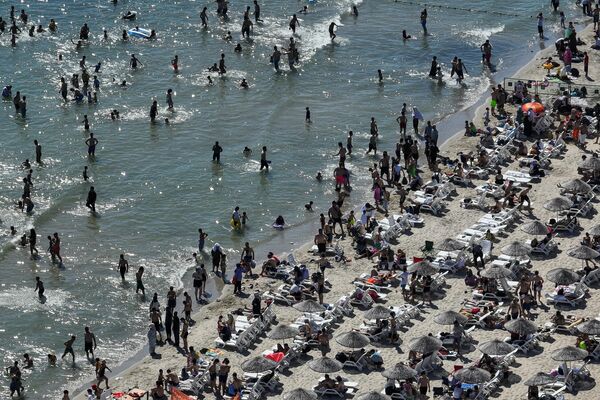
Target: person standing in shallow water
{"x":138,"y":280}
{"x":38,"y":152}
{"x":69,"y":348}
{"x":123,"y":266}
{"x":217,"y":150}
{"x":39,"y":287}
{"x":424,"y":20}
{"x":91,"y":200}
{"x":264,"y":163}
{"x":153,"y":111}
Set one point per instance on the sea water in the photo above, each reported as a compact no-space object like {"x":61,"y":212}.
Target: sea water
{"x":156,"y":183}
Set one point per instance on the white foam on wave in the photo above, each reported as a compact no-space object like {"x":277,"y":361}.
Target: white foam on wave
{"x":477,"y":36}
{"x":26,"y":301}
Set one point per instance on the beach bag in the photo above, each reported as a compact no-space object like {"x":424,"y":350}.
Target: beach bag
{"x":404,"y":180}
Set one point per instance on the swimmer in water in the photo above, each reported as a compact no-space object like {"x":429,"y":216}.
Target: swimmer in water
{"x":85,"y":173}
{"x":308,"y":206}
{"x":405,"y":35}
{"x":355,"y":11}
{"x":319,"y":177}
{"x":124,"y":35}
{"x":380,"y":76}
{"x":228,"y":37}
{"x":247,"y":151}
{"x":238,"y":48}
{"x":332,"y":27}
{"x":279,"y":221}
{"x":307,"y":116}
{"x":210,"y":81}
{"x":153,"y":111}
{"x":303,"y":10}
{"x":244,"y":84}
{"x":175,"y":63}
{"x":214,"y":68}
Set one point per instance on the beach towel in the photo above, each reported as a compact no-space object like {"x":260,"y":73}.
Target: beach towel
{"x":275,"y":356}
{"x":177,"y":394}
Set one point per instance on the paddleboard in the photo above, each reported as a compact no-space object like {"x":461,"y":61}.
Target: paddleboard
{"x":140,"y":33}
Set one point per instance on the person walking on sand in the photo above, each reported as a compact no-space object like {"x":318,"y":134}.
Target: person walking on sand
{"x":152,"y":339}
{"x":101,"y":374}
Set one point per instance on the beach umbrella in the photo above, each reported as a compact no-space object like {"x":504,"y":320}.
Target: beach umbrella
{"x":496,"y":272}
{"x":423,"y":268}
{"x":576,"y":186}
{"x":425,"y":344}
{"x":399,"y":372}
{"x":591,"y":327}
{"x":583,"y":253}
{"x":472,"y":375}
{"x":534,"y":105}
{"x":540,"y":379}
{"x":558,"y":204}
{"x":283,"y":332}
{"x":378,"y":312}
{"x":309,"y":306}
{"x":496,"y":348}
{"x":562,"y":276}
{"x":535,"y":228}
{"x":258,"y":364}
{"x":353,"y":340}
{"x":373,"y":395}
{"x":300,"y":394}
{"x":516,"y":249}
{"x":449,"y":317}
{"x":325,"y":365}
{"x":520,"y":326}
{"x":595,"y":230}
{"x":569,"y":353}
{"x":592,"y":163}
{"x":451,"y":245}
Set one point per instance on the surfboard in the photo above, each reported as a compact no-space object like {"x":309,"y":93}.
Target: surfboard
{"x":140,"y":33}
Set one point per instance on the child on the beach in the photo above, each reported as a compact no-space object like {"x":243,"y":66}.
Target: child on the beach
{"x":486,"y":116}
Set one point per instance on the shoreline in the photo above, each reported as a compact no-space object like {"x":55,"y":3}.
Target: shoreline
{"x":474,"y":111}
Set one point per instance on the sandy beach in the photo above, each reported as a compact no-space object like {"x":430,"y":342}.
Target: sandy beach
{"x":450,"y":297}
